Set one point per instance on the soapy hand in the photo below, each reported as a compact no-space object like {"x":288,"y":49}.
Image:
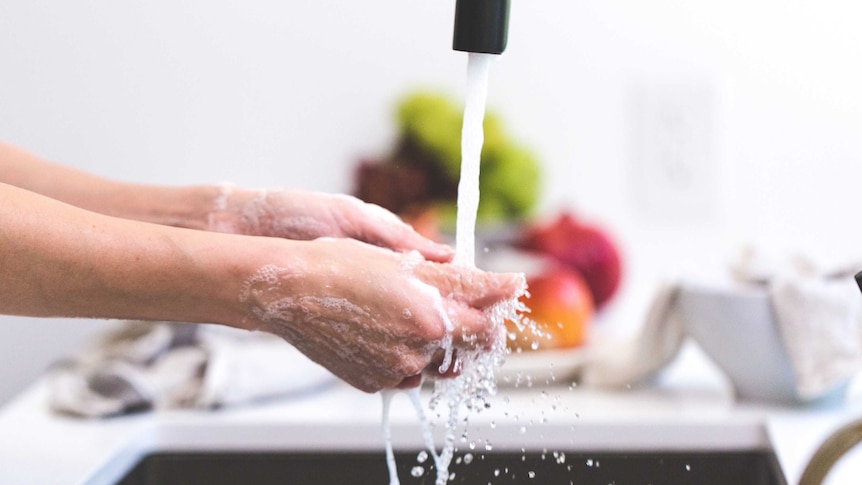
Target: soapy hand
{"x":302,"y":215}
{"x":374,"y":317}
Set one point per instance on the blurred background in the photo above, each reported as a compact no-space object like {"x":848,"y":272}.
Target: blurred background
{"x":685,"y":129}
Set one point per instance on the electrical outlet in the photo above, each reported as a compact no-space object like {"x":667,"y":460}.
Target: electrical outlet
{"x":674,"y":168}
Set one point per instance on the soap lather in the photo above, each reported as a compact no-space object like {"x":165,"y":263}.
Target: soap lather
{"x":481,"y":26}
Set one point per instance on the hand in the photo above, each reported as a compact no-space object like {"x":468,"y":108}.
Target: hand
{"x":374,"y":317}
{"x":301,"y":215}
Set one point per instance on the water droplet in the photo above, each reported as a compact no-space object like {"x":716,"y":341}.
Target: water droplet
{"x":493,"y":424}
{"x":534,"y":345}
{"x":523,"y":429}
{"x":468,"y":458}
{"x":589,"y":462}
{"x":417,"y":471}
{"x":688,"y":468}
{"x":496,"y":472}
{"x":451,"y":476}
{"x":531,"y":474}
{"x":488,"y":446}
{"x":422,"y":456}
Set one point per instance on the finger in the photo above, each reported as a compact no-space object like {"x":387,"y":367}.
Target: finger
{"x":478,"y":289}
{"x":472,"y":327}
{"x":378,"y":226}
{"x":454,"y":370}
{"x":401,"y":237}
{"x":410,"y":382}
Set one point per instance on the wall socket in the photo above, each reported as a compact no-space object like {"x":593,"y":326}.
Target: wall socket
{"x":674,"y":170}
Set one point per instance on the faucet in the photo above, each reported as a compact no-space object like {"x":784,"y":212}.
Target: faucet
{"x":835,"y":446}
{"x":481,"y":26}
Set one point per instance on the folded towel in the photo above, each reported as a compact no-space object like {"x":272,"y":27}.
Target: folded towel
{"x":162,"y":365}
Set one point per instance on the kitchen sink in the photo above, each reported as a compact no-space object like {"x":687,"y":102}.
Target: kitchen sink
{"x":359,"y":468}
{"x":660,"y":445}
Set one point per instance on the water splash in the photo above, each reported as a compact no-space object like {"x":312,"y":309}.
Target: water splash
{"x":476,"y":384}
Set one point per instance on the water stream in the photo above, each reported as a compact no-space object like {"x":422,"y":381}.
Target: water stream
{"x":476,"y":381}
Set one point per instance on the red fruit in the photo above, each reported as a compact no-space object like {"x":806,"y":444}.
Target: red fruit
{"x":561,"y":306}
{"x":583,"y":247}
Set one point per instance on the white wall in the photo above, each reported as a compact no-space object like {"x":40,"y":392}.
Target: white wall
{"x":261,"y":92}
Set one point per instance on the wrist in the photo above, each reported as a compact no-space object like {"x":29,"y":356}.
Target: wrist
{"x":239,"y":277}
{"x":188,"y":207}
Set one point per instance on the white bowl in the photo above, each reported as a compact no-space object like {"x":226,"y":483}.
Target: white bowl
{"x":736,"y":328}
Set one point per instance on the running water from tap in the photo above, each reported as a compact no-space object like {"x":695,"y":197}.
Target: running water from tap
{"x":472,"y":139}
{"x":476,"y":382}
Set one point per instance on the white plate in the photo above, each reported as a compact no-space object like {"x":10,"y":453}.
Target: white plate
{"x":549,"y":366}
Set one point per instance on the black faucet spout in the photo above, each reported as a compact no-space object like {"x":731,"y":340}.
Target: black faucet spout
{"x":481,"y":26}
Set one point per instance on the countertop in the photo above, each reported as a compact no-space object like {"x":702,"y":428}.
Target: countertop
{"x":690,"y":407}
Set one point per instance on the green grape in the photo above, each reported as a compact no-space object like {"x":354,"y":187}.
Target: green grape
{"x":513,"y":177}
{"x":509,"y":177}
{"x":434,"y":123}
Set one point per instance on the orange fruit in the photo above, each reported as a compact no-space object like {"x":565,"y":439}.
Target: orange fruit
{"x":561,"y":307}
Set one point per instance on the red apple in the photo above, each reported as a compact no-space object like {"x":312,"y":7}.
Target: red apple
{"x":561,"y":307}
{"x":581,"y":246}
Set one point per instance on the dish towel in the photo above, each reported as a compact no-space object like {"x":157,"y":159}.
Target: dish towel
{"x":641,"y":358}
{"x":164,"y":365}
{"x":819,"y":314}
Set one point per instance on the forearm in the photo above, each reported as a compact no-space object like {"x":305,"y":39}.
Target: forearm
{"x":174,"y":206}
{"x":59,"y":260}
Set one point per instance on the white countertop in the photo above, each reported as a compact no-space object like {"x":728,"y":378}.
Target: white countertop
{"x":691,"y":407}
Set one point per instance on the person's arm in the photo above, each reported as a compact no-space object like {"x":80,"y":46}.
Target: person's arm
{"x":374,"y":317}
{"x":174,"y":206}
{"x":60,"y":260}
{"x":290,"y":214}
